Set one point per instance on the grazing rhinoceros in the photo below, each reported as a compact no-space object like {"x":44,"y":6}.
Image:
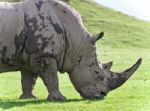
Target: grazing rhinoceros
{"x":41,"y":37}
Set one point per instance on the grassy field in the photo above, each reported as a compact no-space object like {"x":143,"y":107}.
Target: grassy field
{"x":126,"y":40}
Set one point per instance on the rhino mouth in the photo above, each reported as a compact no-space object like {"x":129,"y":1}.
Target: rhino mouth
{"x":101,"y":95}
{"x":90,"y":93}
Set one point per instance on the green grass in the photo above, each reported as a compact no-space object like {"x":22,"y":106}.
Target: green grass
{"x":126,"y":40}
{"x":120,"y":30}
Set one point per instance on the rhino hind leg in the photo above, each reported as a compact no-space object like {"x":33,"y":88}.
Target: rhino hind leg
{"x":50,"y":80}
{"x":28,"y":80}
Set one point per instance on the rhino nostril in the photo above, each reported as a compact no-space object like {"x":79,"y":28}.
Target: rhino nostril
{"x":103,"y":93}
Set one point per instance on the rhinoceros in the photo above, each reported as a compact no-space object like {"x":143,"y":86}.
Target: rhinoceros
{"x":40,"y":37}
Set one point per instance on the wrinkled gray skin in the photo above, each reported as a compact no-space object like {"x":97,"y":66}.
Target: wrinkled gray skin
{"x":41,"y":37}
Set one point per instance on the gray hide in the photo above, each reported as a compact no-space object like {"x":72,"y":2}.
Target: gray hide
{"x":41,"y":37}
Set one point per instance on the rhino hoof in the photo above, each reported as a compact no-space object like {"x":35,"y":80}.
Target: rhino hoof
{"x":27,"y":96}
{"x":56,"y":97}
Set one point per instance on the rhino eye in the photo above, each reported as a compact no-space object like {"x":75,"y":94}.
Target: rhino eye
{"x":100,"y":78}
{"x":97,"y":72}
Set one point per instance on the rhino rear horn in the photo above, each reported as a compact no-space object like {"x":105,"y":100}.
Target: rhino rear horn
{"x":117,"y":79}
{"x":97,"y":37}
{"x":107,"y":66}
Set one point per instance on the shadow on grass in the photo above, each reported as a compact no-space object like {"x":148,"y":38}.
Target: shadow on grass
{"x":20,"y":103}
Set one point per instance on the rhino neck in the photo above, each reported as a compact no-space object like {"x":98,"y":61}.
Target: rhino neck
{"x":74,"y":45}
{"x":11,"y":30}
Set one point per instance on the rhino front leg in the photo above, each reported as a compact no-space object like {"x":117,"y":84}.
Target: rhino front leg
{"x":28,"y":80}
{"x":50,"y":79}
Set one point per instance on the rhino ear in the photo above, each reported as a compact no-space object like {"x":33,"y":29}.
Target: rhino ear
{"x":97,"y":37}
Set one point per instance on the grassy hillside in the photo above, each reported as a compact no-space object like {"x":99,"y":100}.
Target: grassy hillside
{"x":120,"y":30}
{"x":126,"y":39}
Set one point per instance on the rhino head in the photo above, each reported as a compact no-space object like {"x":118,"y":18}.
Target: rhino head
{"x":93,"y":79}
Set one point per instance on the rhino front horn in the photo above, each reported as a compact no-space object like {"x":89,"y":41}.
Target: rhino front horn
{"x":97,"y":37}
{"x":117,"y":79}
